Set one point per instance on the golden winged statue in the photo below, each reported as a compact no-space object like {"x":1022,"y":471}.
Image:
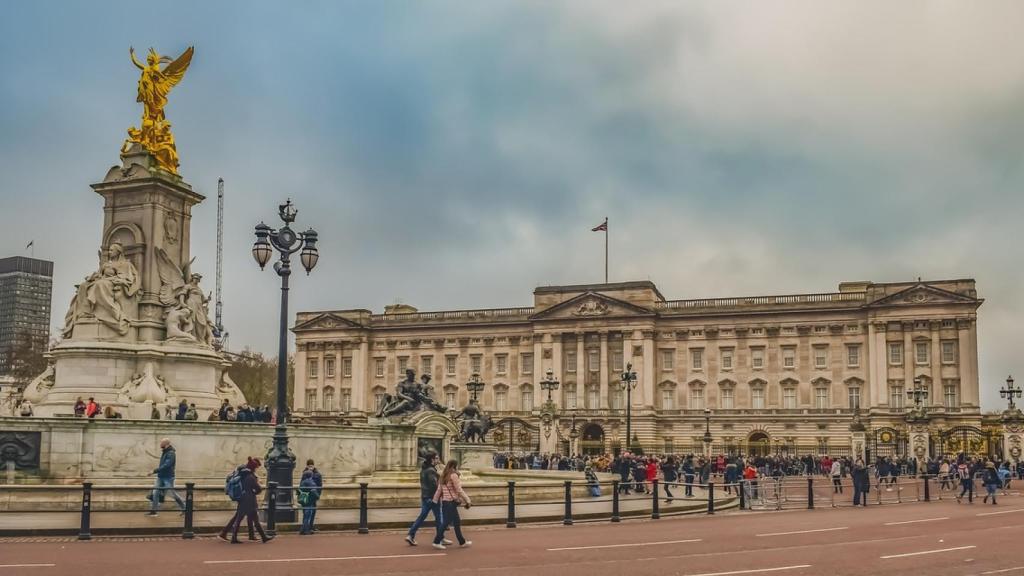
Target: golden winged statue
{"x":154,"y":86}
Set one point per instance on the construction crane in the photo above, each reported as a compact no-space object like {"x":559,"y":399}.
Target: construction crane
{"x":218,"y":322}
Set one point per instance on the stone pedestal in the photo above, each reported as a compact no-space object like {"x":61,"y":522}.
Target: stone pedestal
{"x":920,"y":446}
{"x":1013,"y":436}
{"x":473,"y":457}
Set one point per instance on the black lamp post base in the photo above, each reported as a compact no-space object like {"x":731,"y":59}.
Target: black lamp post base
{"x":280,"y":462}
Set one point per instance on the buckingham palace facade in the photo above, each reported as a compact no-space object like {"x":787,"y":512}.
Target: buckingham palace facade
{"x":779,"y":373}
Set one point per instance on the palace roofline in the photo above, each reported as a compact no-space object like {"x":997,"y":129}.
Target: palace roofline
{"x":852,"y":295}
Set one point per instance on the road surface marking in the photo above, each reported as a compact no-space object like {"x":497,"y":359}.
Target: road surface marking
{"x":805,"y":531}
{"x":1000,"y":512}
{"x":1004,"y":570}
{"x":916,"y":521}
{"x":923,"y":552}
{"x":622,"y":545}
{"x":753,"y":571}
{"x":27,"y":565}
{"x":254,"y":561}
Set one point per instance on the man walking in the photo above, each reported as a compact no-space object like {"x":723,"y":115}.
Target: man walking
{"x":428,"y":486}
{"x":164,"y":479}
{"x":966,"y":477}
{"x":861,"y":483}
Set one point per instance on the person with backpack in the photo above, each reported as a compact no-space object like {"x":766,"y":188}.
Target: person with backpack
{"x":593,"y":484}
{"x":243,"y":487}
{"x":308,"y":495}
{"x":991,"y":481}
{"x":164,"y":479}
{"x":670,"y":474}
{"x":92,"y":408}
{"x":318,"y":479}
{"x":963,"y":473}
{"x":450,"y":496}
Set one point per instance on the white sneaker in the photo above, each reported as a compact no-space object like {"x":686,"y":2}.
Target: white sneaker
{"x":466,"y":544}
{"x":410,"y":540}
{"x":440,"y":546}
{"x":447,"y":542}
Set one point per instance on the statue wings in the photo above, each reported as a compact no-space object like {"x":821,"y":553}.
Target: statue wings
{"x":175,"y":71}
{"x":172,"y":278}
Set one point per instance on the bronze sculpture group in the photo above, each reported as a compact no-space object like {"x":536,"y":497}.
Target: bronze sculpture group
{"x":411,"y":396}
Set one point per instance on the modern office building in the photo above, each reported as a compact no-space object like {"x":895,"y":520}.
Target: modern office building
{"x":26,"y":286}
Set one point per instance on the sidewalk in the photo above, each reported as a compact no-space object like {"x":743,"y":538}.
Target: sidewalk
{"x":170,"y":521}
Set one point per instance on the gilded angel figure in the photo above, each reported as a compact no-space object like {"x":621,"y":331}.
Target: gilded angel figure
{"x":155,"y":84}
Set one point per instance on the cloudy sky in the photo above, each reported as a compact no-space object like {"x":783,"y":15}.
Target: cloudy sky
{"x":456,"y":154}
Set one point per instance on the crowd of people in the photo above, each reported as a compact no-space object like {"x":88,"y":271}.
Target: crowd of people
{"x":243,"y":413}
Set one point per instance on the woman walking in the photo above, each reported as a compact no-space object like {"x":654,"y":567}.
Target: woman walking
{"x":450,"y":496}
{"x":247,"y":505}
{"x":992,"y":482}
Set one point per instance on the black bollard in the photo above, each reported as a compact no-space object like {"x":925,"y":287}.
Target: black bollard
{"x":510,"y":522}
{"x":711,"y":497}
{"x":810,"y":493}
{"x":271,"y":508}
{"x":615,"y":501}
{"x":927,"y":489}
{"x":364,"y":524}
{"x":567,"y":520}
{"x":85,"y":532}
{"x":743,"y":494}
{"x":187,"y":532}
{"x":655,"y":512}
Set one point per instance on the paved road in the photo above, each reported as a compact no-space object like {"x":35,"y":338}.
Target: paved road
{"x":936,"y":539}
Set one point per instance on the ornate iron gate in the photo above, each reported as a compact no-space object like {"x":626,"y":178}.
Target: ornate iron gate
{"x":888,"y":442}
{"x":968,"y":440}
{"x":515,"y":435}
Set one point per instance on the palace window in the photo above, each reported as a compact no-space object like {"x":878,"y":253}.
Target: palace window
{"x":403,"y":364}
{"x":921,"y":352}
{"x":726,"y":358}
{"x":789,"y":398}
{"x":427,"y":364}
{"x":896,"y":353}
{"x":821,"y":398}
{"x":526,"y":360}
{"x":853,"y":355}
{"x":527,"y":399}
{"x":314,"y":368}
{"x":346,"y":367}
{"x":757,"y":358}
{"x":696,"y":398}
{"x":820,"y":357}
{"x":853,"y":397}
{"x":697,"y":359}
{"x":668,"y":399}
{"x":617,"y":361}
{"x":668,"y":360}
{"x":346,"y":401}
{"x":328,"y":399}
{"x":948,"y":324}
{"x":310,"y":399}
{"x":725,"y":399}
{"x":449,"y":364}
{"x":449,"y":399}
{"x":757,"y":398}
{"x":500,"y":400}
{"x":594,"y":360}
{"x":329,"y":367}
{"x":570,"y":361}
{"x":378,"y":367}
{"x":789,"y":356}
{"x":476,"y":362}
{"x":593,"y":398}
{"x":501,"y":363}
{"x":949,"y":396}
{"x":896,"y":394}
{"x":949,"y":351}
{"x":617,"y":399}
{"x":570,"y":399}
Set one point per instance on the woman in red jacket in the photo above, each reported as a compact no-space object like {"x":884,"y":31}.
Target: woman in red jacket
{"x":652,"y":470}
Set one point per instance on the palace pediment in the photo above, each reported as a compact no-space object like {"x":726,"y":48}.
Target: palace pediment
{"x":326,"y":321}
{"x":591,"y":305}
{"x":924,"y":294}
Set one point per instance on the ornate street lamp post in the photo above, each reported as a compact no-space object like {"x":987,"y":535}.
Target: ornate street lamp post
{"x":475,"y":385}
{"x":573,"y":435}
{"x":1009,"y":393}
{"x":918,"y":394}
{"x":707,"y":431}
{"x":550,"y":384}
{"x":628,"y":382}
{"x":280,"y":460}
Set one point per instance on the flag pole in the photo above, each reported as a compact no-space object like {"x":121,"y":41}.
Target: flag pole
{"x":605,"y":249}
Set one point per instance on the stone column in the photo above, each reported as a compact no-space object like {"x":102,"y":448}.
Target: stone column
{"x":301,"y":375}
{"x":360,"y":382}
{"x":968,"y":361}
{"x":647,"y":377}
{"x":859,"y":443}
{"x":557,"y":364}
{"x":909,"y":358}
{"x":878,"y":384}
{"x":1013,"y":436}
{"x":602,"y":399}
{"x":581,"y":369}
{"x":919,"y":445}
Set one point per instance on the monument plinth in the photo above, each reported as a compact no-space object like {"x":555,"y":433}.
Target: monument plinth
{"x":137,"y":334}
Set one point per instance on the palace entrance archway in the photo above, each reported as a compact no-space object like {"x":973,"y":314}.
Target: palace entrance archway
{"x":592,"y":440}
{"x":758,"y":444}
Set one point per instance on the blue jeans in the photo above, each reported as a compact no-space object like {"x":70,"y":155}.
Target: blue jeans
{"x":163,"y":485}
{"x":426,"y":507}
{"x":308,"y":516}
